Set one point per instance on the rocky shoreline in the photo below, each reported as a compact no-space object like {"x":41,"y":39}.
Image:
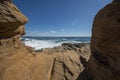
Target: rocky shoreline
{"x":20,"y":62}
{"x":98,"y":60}
{"x":64,"y":62}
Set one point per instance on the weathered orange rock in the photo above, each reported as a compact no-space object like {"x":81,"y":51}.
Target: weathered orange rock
{"x":18,"y":62}
{"x":104,"y":63}
{"x":10,"y":19}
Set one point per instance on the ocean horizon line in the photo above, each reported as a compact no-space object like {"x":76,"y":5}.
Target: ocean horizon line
{"x":57,"y":36}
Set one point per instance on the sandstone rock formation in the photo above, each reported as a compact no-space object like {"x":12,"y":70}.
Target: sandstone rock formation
{"x":104,"y":63}
{"x":11,"y":19}
{"x":66,"y":63}
{"x":60,"y":63}
{"x":20,"y":62}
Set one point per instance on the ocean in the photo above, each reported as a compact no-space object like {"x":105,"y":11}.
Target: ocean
{"x":39,"y":43}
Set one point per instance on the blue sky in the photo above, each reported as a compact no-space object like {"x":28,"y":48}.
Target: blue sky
{"x":60,"y":17}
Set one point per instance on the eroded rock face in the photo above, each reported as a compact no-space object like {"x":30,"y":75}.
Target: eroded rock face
{"x":105,"y":44}
{"x":67,"y":61}
{"x":10,"y":19}
{"x":20,"y":62}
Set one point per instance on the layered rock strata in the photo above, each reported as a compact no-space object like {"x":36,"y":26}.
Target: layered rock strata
{"x":20,"y":62}
{"x":11,"y":20}
{"x":104,"y":63}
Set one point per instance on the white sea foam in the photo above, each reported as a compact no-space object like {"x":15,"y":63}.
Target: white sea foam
{"x":41,"y":44}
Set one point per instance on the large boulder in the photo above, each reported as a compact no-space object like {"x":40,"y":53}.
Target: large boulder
{"x":10,"y":19}
{"x":104,"y":63}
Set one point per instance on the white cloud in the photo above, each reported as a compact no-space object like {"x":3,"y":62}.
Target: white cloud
{"x":52,"y":32}
{"x":38,"y":33}
{"x":63,"y":30}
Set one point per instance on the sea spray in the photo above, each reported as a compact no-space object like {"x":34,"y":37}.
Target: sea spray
{"x":39,"y":43}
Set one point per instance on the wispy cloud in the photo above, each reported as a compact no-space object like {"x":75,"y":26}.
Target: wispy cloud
{"x":53,"y":32}
{"x":74,"y":22}
{"x":38,"y":33}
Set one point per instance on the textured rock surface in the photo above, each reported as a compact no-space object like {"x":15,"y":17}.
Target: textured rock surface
{"x":10,"y":19}
{"x":20,"y":62}
{"x":66,"y":62}
{"x":104,"y":63}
